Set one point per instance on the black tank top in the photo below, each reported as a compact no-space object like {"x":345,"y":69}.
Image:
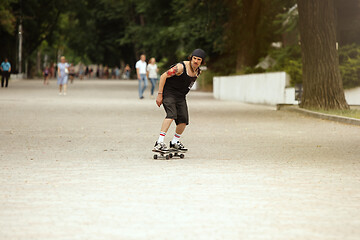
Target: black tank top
{"x":179,"y":85}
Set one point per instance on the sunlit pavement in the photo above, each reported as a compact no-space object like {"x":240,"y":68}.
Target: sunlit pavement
{"x":80,"y":167}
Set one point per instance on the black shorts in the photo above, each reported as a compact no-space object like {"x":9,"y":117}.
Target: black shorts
{"x":176,"y":109}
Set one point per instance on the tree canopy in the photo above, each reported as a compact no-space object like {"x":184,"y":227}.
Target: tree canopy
{"x":108,"y":31}
{"x":236,"y":34}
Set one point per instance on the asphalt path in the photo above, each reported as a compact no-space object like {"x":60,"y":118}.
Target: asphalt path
{"x":80,"y":167}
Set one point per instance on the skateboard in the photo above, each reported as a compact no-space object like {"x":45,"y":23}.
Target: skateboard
{"x":177,"y":153}
{"x":169,"y":154}
{"x":160,"y":154}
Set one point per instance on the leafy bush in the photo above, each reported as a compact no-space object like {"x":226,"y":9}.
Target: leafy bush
{"x":288,"y":59}
{"x":349,"y":58}
{"x":294,"y":69}
{"x":205,"y":80}
{"x":249,"y":70}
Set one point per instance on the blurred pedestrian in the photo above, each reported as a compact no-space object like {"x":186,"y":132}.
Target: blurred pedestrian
{"x":106,"y":72}
{"x":127,"y":71}
{"x":113,"y":73}
{"x":46,"y":74}
{"x":5,"y":72}
{"x":52,"y":70}
{"x":101,"y":71}
{"x":90,"y":72}
{"x":152,"y":73}
{"x":63,"y":72}
{"x":81,"y":72}
{"x":86,"y":71}
{"x":141,"y":75}
{"x":117,"y":72}
{"x":72,"y":72}
{"x":98,"y":72}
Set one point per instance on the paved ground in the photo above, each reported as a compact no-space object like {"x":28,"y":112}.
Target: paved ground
{"x":80,"y":167}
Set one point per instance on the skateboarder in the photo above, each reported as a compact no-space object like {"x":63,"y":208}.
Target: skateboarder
{"x":173,"y":86}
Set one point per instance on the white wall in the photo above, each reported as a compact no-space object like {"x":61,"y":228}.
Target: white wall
{"x":263,"y":88}
{"x":353,"y":96}
{"x":17,"y":76}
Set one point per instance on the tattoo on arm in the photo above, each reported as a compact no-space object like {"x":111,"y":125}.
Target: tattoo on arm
{"x":172,"y":71}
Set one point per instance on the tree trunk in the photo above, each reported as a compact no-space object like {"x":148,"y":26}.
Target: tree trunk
{"x":38,"y":62}
{"x":322,"y":82}
{"x":242,"y":30}
{"x":247,"y":47}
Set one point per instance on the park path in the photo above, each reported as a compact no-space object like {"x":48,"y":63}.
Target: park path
{"x":80,"y":167}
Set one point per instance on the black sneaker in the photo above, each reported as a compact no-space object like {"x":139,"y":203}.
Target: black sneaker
{"x":160,"y":147}
{"x":178,"y":146}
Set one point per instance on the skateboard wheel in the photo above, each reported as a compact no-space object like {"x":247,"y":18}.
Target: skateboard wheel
{"x":167,"y":157}
{"x":171,"y":155}
{"x":155,"y":156}
{"x":182,"y":155}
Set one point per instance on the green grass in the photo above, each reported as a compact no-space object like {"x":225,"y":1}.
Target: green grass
{"x":352,"y":113}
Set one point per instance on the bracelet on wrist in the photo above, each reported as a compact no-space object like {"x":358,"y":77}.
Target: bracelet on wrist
{"x":160,"y":93}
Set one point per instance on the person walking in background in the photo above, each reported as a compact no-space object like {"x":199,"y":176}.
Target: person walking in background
{"x":63,"y":71}
{"x":46,"y":74}
{"x":113,"y":73}
{"x":52,"y":70}
{"x":5,"y":72}
{"x":106,"y":72}
{"x":141,"y":75}
{"x":152,"y":71}
{"x":81,"y":72}
{"x":97,"y":74}
{"x":90,"y":73}
{"x":72,"y":72}
{"x":86,"y":71}
{"x":127,"y":71}
{"x":117,"y":72}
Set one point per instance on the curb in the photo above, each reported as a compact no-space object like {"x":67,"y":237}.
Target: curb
{"x":335,"y":118}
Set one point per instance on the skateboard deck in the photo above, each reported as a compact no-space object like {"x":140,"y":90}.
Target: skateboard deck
{"x":169,"y":154}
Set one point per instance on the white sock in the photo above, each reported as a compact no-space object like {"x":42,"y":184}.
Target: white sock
{"x":161,"y":137}
{"x":176,"y":138}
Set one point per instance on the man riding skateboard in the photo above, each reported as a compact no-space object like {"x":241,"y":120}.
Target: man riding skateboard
{"x":173,"y":86}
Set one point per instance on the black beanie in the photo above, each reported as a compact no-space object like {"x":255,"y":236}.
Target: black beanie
{"x":199,"y":53}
